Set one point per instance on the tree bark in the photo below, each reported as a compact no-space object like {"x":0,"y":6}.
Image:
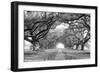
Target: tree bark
{"x":82,"y":46}
{"x":77,"y":46}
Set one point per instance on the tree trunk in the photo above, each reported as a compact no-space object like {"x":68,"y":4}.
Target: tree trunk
{"x":33,"y":46}
{"x":77,"y":46}
{"x":82,"y":46}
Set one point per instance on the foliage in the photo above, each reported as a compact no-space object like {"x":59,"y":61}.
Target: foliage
{"x":40,"y":26}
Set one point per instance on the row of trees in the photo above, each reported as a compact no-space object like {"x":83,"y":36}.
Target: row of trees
{"x":38,"y":25}
{"x":79,"y":32}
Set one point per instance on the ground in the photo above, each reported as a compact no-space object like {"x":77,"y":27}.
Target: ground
{"x":56,"y":54}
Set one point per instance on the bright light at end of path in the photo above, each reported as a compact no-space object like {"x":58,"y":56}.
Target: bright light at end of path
{"x":60,"y":45}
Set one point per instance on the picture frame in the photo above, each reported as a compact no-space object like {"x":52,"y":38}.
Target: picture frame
{"x":24,"y":15}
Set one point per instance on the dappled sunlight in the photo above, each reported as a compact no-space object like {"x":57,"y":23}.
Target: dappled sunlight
{"x":27,"y":45}
{"x":59,"y":29}
{"x":60,"y":45}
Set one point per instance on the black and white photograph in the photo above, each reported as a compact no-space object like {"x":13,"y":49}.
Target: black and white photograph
{"x":56,"y":36}
{"x":53,"y":36}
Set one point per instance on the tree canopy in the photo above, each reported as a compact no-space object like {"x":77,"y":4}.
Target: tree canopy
{"x":41,"y":28}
